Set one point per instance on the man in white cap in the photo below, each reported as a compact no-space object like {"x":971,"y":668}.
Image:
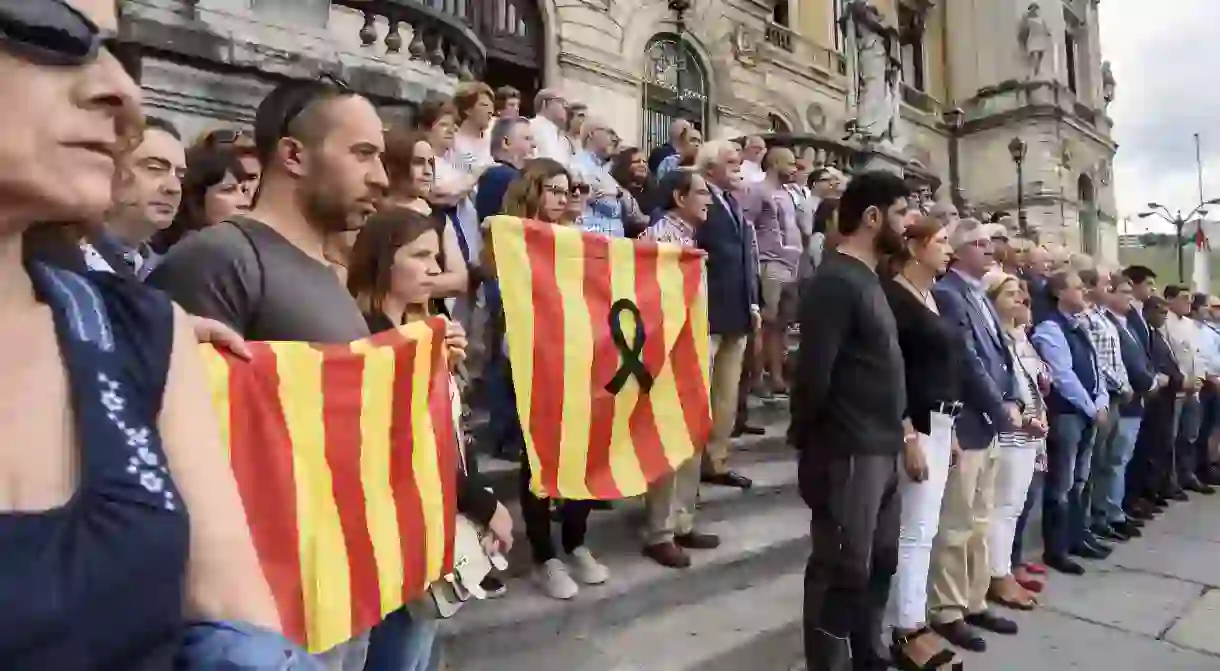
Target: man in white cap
{"x":960,"y":573}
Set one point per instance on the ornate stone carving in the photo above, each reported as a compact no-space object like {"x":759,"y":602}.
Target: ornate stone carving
{"x":1107,"y":83}
{"x":1035,"y":39}
{"x":745,"y":49}
{"x":815,"y":116}
{"x":878,"y":73}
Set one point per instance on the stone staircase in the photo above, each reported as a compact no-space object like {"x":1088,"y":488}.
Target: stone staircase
{"x":736,"y":607}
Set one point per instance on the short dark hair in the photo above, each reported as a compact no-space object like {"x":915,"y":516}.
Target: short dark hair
{"x":163,"y":125}
{"x":674,"y":181}
{"x":1174,"y":290}
{"x":816,"y":175}
{"x":501,"y":130}
{"x":1153,"y":304}
{"x":505,"y":94}
{"x":1139,"y":274}
{"x":289,"y":111}
{"x":1199,"y":300}
{"x":874,"y":188}
{"x":1058,"y":282}
{"x":432,"y":112}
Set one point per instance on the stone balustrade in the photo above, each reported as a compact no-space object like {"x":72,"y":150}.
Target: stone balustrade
{"x":804,"y":54}
{"x":433,"y":31}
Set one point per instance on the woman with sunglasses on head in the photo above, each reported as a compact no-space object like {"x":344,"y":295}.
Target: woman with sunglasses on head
{"x":542,"y":193}
{"x":115,"y":492}
{"x":391,"y":271}
{"x":214,"y":189}
{"x":930,"y":350}
{"x":1019,"y":450}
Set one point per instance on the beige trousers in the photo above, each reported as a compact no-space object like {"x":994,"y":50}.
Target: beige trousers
{"x":728,"y":353}
{"x":670,"y":504}
{"x":961,"y":572}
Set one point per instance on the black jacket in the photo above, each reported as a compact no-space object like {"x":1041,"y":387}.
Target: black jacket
{"x":732,"y":269}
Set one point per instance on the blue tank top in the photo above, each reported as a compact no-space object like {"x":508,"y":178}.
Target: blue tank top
{"x":97,"y":584}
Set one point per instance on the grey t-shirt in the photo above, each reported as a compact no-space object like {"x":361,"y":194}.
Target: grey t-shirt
{"x":275,"y":293}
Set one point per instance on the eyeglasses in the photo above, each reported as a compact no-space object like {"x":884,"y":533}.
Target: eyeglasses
{"x":307,"y":95}
{"x":51,"y":32}
{"x":223,"y":136}
{"x":580,"y":190}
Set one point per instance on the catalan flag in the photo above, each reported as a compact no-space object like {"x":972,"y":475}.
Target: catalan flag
{"x":346,"y":458}
{"x":608,"y":345}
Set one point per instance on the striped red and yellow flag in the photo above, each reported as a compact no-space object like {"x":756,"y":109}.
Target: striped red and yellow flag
{"x":345,"y":457}
{"x":608,"y":345}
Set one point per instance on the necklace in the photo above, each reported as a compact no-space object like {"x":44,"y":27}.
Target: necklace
{"x":924,"y":296}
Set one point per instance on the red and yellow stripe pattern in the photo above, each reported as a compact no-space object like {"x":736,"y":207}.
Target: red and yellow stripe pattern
{"x":558,"y":286}
{"x":345,"y":457}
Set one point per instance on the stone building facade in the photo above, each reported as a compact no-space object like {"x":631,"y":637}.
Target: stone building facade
{"x":798,"y":68}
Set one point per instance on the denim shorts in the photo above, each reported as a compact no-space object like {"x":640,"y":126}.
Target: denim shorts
{"x":237,"y":646}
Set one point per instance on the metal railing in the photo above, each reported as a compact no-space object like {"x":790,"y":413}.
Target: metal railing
{"x":805,"y":52}
{"x":438,"y":33}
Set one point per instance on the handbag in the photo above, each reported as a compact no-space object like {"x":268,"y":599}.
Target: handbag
{"x":471,"y":563}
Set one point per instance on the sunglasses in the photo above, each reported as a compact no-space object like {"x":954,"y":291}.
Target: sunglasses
{"x":223,"y":136}
{"x":51,"y":32}
{"x":306,"y":97}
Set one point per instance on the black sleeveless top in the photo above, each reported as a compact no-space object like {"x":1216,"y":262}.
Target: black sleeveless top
{"x":98,"y":582}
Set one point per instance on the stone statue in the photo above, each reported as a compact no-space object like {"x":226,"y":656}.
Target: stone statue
{"x":1107,"y":83}
{"x":1035,"y":39}
{"x":744,"y":47}
{"x":876,"y":108}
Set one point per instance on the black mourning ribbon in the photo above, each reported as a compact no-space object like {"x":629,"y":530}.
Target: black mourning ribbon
{"x":632,"y":355}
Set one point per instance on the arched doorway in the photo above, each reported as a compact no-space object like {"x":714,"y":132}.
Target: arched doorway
{"x":1086,"y":201}
{"x":675,"y":87}
{"x":513,"y":32}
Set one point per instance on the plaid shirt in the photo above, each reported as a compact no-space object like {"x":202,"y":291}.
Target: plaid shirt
{"x":1104,"y":337}
{"x":670,"y":228}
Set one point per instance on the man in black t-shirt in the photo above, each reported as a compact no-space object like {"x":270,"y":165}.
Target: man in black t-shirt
{"x":849,"y":438}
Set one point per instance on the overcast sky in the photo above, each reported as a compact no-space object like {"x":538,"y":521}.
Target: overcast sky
{"x":1166,"y":61}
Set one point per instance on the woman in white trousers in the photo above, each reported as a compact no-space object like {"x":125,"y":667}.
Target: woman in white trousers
{"x":1019,"y":449}
{"x":931,"y":349}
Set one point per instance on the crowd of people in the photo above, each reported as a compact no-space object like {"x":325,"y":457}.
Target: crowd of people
{"x":953,"y":381}
{"x":941,"y":365}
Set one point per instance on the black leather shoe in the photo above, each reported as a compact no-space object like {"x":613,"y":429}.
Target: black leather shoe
{"x":1138,"y":512}
{"x":992,"y":622}
{"x":1179,"y":495}
{"x":1090,"y":551}
{"x":697,"y":541}
{"x":1107,"y":532}
{"x":961,"y":635}
{"x":747,"y":430}
{"x":1065,"y":565}
{"x":728,"y":479}
{"x":1196,"y":486}
{"x":1128,"y":527}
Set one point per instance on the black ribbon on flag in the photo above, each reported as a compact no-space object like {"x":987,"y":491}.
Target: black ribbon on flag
{"x":632,"y":355}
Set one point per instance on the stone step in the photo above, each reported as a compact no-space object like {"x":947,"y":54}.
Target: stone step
{"x":502,"y":474}
{"x":756,"y":626}
{"x":764,"y":532}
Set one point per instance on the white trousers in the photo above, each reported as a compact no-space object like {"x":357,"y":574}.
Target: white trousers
{"x":1011,"y":488}
{"x":920,"y":520}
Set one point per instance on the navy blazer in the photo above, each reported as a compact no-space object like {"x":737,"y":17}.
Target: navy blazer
{"x":1140,"y":372}
{"x":988,"y":378}
{"x":732,"y":269}
{"x":1139,"y":327}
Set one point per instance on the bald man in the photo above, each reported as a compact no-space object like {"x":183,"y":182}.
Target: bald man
{"x":752,"y":154}
{"x":677,"y":129}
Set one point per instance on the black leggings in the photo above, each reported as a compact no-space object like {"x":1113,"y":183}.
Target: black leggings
{"x":573,"y":520}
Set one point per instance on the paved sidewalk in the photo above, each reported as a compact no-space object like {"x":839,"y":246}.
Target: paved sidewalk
{"x":1154,"y":604}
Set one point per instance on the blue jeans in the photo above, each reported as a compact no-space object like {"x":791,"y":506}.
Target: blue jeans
{"x":236,"y":646}
{"x":1065,"y":510}
{"x":1189,"y":419}
{"x":401,"y":643}
{"x":1110,"y":480}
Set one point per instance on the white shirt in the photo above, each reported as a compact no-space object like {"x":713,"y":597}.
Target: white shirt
{"x":551,"y":141}
{"x":752,"y":173}
{"x":1183,"y":337}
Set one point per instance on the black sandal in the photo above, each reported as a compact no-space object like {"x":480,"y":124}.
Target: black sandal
{"x":903,"y":662}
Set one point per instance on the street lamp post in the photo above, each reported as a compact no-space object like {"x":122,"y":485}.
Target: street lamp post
{"x":1178,"y":222}
{"x":955,"y":119}
{"x":1016,"y":149}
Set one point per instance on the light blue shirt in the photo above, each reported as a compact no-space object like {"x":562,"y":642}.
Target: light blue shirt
{"x":601,"y":215}
{"x":1209,"y":347}
{"x":1052,"y":345}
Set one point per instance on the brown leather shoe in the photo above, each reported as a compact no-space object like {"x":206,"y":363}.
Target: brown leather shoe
{"x":667,"y":554}
{"x":697,"y":541}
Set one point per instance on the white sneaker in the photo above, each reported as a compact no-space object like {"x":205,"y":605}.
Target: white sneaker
{"x":587,"y":569}
{"x":554,"y":580}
